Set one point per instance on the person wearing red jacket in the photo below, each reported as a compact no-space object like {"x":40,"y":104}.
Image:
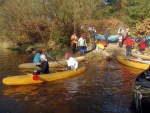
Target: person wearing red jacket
{"x":129,"y":43}
{"x":142,"y":46}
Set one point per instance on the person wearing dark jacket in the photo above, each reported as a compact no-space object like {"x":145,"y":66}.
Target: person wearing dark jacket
{"x":107,"y":34}
{"x":44,"y":65}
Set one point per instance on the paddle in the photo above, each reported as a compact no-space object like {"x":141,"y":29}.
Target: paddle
{"x":56,"y":61}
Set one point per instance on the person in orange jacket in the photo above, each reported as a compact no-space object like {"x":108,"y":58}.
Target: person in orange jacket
{"x":129,"y":43}
{"x":74,"y":40}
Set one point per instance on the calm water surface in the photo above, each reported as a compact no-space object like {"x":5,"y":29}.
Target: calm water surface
{"x":104,"y":88}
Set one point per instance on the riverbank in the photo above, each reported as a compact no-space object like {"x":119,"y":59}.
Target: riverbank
{"x":110,"y":52}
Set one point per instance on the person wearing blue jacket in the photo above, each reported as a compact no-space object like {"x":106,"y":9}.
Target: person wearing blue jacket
{"x":37,"y":56}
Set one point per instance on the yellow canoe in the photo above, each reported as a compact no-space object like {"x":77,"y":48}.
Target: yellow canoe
{"x":137,"y":54}
{"x":51,"y":64}
{"x":145,"y":57}
{"x":28,"y":79}
{"x":132,"y":63}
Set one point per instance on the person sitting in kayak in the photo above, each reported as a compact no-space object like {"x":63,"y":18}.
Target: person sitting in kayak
{"x":37,"y":56}
{"x":71,"y":62}
{"x":44,"y":65}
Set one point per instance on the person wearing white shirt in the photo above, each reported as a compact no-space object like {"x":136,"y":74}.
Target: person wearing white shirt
{"x":71,"y":62}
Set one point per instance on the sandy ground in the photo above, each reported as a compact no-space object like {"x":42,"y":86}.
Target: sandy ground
{"x":112,"y":50}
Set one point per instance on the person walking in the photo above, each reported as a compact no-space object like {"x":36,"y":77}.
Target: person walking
{"x":106,"y":35}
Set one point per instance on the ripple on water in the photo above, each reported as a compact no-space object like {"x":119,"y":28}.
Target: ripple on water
{"x":103,"y":88}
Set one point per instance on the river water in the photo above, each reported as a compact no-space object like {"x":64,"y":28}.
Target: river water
{"x":104,"y":88}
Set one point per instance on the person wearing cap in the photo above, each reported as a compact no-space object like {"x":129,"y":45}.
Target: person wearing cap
{"x":37,"y":56}
{"x":44,"y":65}
{"x":71,"y":62}
{"x":82,"y":45}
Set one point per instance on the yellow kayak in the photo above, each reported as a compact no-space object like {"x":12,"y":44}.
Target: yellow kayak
{"x":99,"y":45}
{"x":132,"y":63}
{"x":137,"y":54}
{"x":28,"y":79}
{"x":51,"y":64}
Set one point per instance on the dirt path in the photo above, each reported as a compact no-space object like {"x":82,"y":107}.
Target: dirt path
{"x":112,"y":50}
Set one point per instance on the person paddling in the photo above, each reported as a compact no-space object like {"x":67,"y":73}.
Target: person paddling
{"x":71,"y":62}
{"x":37,"y":56}
{"x":44,"y":65}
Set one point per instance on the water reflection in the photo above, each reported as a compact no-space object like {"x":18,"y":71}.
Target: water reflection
{"x":27,"y":89}
{"x":72,"y":86}
{"x":104,"y":88}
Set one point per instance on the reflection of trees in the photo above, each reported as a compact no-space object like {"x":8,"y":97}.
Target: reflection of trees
{"x":27,"y":89}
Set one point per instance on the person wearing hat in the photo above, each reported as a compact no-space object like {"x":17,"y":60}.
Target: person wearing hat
{"x":44,"y":65}
{"x":71,"y":62}
{"x":37,"y":56}
{"x":82,"y":45}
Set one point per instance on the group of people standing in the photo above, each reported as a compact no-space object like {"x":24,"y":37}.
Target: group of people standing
{"x":81,"y":43}
{"x":130,"y":42}
{"x":125,"y":38}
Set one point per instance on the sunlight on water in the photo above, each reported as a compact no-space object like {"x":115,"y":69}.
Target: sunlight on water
{"x":104,"y":88}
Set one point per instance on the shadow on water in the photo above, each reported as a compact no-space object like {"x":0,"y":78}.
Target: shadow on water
{"x":104,"y":88}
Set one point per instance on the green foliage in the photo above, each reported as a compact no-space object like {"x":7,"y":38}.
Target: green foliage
{"x":137,"y":10}
{"x":41,"y":20}
{"x":58,"y":53}
{"x":60,"y":37}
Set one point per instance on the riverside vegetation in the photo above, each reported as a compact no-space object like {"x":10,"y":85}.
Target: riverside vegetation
{"x":30,"y":23}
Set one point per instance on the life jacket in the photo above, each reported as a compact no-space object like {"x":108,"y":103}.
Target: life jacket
{"x":142,"y":45}
{"x":129,"y":42}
